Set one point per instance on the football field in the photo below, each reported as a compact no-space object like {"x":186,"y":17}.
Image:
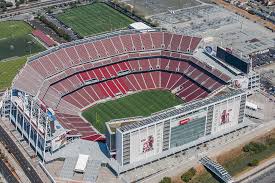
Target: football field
{"x":16,"y":41}
{"x":94,"y":19}
{"x":139,"y":104}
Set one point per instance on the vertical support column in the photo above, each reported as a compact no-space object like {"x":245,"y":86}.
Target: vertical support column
{"x":16,"y":117}
{"x":37,"y":131}
{"x":30,"y":122}
{"x":11,"y":105}
{"x":23,"y":124}
{"x":45,"y":139}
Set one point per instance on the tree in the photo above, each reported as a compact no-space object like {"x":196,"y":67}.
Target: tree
{"x":187,"y":176}
{"x":253,"y":162}
{"x":166,"y":180}
{"x":254,"y":147}
{"x":17,"y":4}
{"x":9,"y":4}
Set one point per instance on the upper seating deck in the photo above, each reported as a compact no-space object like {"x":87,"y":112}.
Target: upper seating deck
{"x":65,"y":56}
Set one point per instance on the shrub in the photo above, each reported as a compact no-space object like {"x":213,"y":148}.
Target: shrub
{"x":270,"y":141}
{"x":253,"y":162}
{"x":9,"y":4}
{"x":254,"y":147}
{"x":166,"y":180}
{"x":187,"y":176}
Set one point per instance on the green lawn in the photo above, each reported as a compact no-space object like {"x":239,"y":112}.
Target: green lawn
{"x":16,"y":41}
{"x":140,"y":104}
{"x":94,"y":19}
{"x":8,"y":70}
{"x":13,"y":29}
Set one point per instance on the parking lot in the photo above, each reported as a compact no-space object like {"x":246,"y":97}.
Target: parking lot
{"x":263,"y":58}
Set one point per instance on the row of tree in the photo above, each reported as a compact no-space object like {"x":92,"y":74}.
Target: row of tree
{"x":58,"y":30}
{"x":7,"y":4}
{"x":185,"y":177}
{"x":4,"y":5}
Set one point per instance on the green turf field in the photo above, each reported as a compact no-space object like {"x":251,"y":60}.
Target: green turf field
{"x":8,"y":70}
{"x":94,"y":19}
{"x":15,"y":40}
{"x":140,"y":104}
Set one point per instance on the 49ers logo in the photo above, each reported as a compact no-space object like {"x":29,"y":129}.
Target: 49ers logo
{"x":185,"y":121}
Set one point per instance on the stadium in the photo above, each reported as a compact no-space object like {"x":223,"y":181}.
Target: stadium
{"x":55,"y":87}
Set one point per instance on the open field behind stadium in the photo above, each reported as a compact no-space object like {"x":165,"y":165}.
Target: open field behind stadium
{"x":8,"y":70}
{"x":16,"y":41}
{"x":94,"y":19}
{"x":151,"y":7}
{"x":140,"y":104}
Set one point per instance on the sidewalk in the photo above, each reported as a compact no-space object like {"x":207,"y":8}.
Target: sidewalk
{"x":13,"y":133}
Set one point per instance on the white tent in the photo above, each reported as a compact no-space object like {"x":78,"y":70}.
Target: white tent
{"x":140,"y":26}
{"x":251,"y":105}
{"x":81,"y":163}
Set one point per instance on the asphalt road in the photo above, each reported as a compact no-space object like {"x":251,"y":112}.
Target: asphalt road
{"x":7,"y":174}
{"x":35,"y":6}
{"x":265,"y":177}
{"x":13,"y":149}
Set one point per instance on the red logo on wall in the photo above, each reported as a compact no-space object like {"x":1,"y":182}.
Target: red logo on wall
{"x":185,"y":121}
{"x":224,"y":117}
{"x":148,"y":144}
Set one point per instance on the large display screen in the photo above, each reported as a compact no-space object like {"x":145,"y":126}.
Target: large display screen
{"x":232,"y":60}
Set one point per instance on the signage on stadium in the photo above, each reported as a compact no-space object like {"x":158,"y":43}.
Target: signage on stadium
{"x":185,"y":121}
{"x":187,"y":118}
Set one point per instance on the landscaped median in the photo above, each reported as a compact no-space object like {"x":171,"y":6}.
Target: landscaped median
{"x":240,"y":160}
{"x":237,"y":161}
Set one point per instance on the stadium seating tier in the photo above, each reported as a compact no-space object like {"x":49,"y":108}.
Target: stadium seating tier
{"x":72,"y":77}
